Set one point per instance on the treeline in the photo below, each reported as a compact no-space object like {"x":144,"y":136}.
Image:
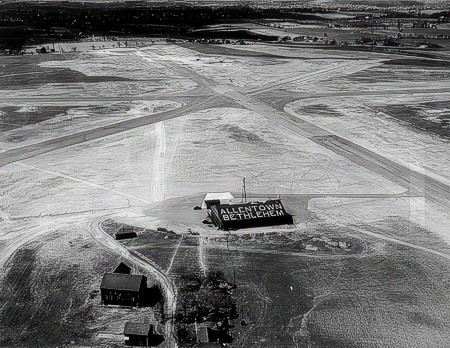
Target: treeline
{"x":22,"y":23}
{"x":134,"y":20}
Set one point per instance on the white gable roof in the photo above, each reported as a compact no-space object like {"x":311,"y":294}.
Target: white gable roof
{"x":223,"y":197}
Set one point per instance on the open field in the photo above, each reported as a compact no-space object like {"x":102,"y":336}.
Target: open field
{"x":57,"y":279}
{"x":354,"y":142}
{"x":291,"y":301}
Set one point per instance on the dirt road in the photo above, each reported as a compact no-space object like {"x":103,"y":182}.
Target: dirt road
{"x":168,"y":288}
{"x":19,"y":241}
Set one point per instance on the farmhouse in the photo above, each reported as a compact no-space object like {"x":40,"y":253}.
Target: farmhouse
{"x":251,"y":214}
{"x":123,"y":289}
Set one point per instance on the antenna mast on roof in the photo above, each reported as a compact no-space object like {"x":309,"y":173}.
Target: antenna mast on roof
{"x":244,"y":192}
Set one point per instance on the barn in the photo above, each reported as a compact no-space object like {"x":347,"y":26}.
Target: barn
{"x":137,"y":334}
{"x":251,"y":214}
{"x":123,"y":289}
{"x":141,"y":334}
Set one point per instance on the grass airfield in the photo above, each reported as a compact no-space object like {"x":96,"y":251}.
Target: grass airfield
{"x":137,"y":136}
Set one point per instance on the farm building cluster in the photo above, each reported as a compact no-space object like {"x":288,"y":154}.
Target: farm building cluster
{"x":121,"y":288}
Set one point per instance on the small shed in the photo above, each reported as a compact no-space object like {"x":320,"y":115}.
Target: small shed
{"x":207,"y":336}
{"x":123,"y":289}
{"x":202,"y":333}
{"x":214,"y":198}
{"x":125,"y":233}
{"x":123,"y":268}
{"x":137,"y":334}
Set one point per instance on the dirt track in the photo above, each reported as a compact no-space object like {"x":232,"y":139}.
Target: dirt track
{"x":141,"y":261}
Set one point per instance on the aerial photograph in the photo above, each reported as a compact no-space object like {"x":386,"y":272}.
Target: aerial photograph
{"x":210,"y":173}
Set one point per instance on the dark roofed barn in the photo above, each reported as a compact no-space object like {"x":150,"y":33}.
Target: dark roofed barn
{"x":140,"y":334}
{"x":125,"y":233}
{"x":137,"y":334}
{"x":123,"y":289}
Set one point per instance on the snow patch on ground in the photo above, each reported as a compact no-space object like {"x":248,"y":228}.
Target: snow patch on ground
{"x":103,"y":90}
{"x":27,"y":108}
{"x":118,"y":63}
{"x":211,"y":150}
{"x":240,"y":71}
{"x":82,"y":118}
{"x":357,"y":122}
{"x":356,"y":211}
{"x":216,"y":148}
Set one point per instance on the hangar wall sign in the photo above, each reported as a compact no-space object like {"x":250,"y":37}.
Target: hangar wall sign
{"x":253,"y":211}
{"x":252,"y":214}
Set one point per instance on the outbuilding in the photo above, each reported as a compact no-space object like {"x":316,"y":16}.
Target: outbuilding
{"x":207,"y":336}
{"x":141,"y":334}
{"x":137,"y":334}
{"x":123,"y":268}
{"x":123,"y":289}
{"x":125,"y":233}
